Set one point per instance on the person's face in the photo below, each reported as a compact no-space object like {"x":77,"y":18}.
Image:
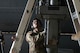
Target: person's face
{"x":35,"y":23}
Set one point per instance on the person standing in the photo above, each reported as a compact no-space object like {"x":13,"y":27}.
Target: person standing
{"x":36,"y":37}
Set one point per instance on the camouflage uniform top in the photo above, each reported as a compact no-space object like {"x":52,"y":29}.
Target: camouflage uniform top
{"x":36,"y":42}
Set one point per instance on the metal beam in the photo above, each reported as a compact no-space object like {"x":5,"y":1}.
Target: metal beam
{"x":16,"y":45}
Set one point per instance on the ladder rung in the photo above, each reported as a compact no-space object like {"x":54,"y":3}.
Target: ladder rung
{"x":74,"y":15}
{"x":67,"y":34}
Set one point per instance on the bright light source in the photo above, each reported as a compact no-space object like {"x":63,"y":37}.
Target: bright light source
{"x":51,"y":2}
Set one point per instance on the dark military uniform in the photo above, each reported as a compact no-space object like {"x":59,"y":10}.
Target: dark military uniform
{"x":36,"y":42}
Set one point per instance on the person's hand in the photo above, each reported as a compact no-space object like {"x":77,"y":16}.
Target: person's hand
{"x":13,"y":38}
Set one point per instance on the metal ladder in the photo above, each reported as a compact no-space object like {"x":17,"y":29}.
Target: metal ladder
{"x":16,"y":45}
{"x":74,"y":9}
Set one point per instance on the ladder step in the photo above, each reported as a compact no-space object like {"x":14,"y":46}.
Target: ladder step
{"x":67,"y":34}
{"x":74,"y":15}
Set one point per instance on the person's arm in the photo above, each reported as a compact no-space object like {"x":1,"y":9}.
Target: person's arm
{"x":28,"y":36}
{"x":13,"y":38}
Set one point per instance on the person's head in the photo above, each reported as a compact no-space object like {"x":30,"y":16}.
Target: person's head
{"x":36,"y":23}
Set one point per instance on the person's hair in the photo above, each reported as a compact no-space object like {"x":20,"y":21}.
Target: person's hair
{"x":39,"y":21}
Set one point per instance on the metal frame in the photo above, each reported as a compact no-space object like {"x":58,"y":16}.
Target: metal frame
{"x":75,"y":19}
{"x":16,"y":45}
